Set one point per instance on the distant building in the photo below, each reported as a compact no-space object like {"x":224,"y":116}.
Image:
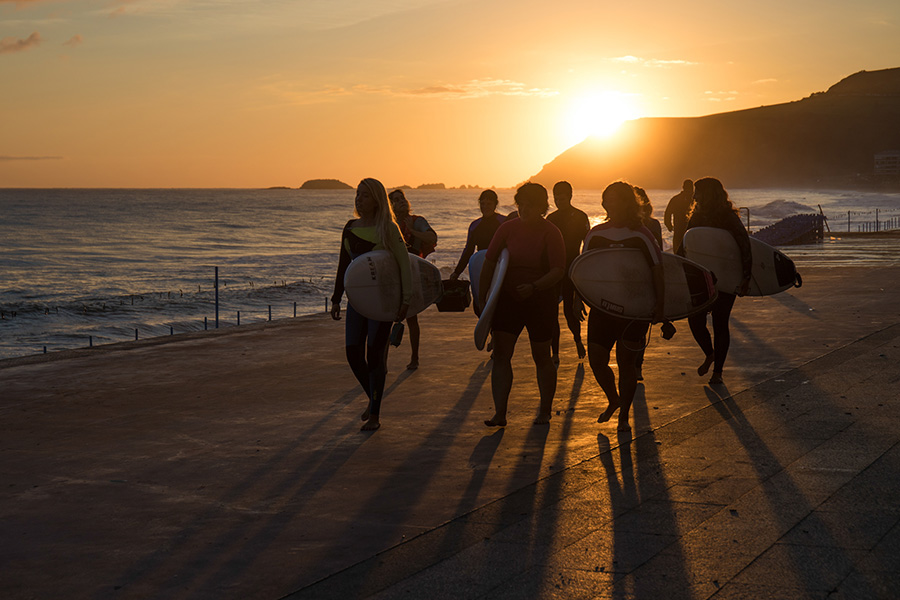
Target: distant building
{"x":887,"y":163}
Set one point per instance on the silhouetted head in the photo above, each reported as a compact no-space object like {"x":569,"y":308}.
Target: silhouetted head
{"x":399,"y":203}
{"x":644,"y":199}
{"x":532,"y":201}
{"x":562,"y":194}
{"x":488,"y":202}
{"x":623,"y":209}
{"x":688,"y":186}
{"x":710,"y":197}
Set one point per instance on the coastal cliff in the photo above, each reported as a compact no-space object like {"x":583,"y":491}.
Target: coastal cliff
{"x":828,"y":139}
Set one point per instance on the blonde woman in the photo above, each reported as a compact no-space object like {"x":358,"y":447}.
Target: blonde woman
{"x":367,"y":340}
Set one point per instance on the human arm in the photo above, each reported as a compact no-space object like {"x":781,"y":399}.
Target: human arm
{"x":467,"y":253}
{"x":669,"y":212}
{"x":551,"y":278}
{"x":343,"y":262}
{"x":484,"y":281}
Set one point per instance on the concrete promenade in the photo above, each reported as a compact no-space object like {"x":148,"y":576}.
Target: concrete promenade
{"x":230,"y":464}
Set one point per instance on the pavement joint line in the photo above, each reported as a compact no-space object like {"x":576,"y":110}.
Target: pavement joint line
{"x":691,"y":424}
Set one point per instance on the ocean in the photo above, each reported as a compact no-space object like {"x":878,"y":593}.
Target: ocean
{"x":82,"y":267}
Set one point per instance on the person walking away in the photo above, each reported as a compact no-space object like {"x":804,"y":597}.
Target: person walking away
{"x":574,"y":225}
{"x":366,"y":340}
{"x":622,"y":229}
{"x":654,"y":227}
{"x":420,"y":240}
{"x":528,"y":298}
{"x":677,"y":210}
{"x":713,"y":208}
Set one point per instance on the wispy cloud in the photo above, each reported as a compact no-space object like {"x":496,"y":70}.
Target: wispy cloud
{"x":10,"y":44}
{"x":652,"y":62}
{"x":765,"y":81}
{"x":75,"y":41}
{"x":11,"y":158}
{"x":720,"y":96}
{"x":475,"y":88}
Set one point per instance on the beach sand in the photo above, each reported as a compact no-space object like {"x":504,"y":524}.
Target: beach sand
{"x":229,"y":464}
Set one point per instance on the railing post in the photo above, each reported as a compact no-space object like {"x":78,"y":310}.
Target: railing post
{"x":217,"y":297}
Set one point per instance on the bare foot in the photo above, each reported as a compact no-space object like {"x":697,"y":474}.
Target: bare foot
{"x":607,"y":414}
{"x":542,"y":419}
{"x":413,"y":365}
{"x":715,"y":379}
{"x":371,"y":425}
{"x":704,"y":368}
{"x":495,"y":421}
{"x":580,"y":347}
{"x":490,"y":345}
{"x":365,"y":415}
{"x":623,"y":427}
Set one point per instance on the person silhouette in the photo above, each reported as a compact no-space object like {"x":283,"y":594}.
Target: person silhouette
{"x":677,"y":210}
{"x":712,"y":208}
{"x":623,"y":228}
{"x":420,"y":240}
{"x":528,"y":298}
{"x":481,"y":230}
{"x":574,"y":225}
{"x":366,"y":340}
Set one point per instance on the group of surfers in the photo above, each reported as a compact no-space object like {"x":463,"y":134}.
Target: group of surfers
{"x":541,"y":248}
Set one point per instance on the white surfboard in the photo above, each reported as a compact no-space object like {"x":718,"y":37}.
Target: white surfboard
{"x":475,"y":264}
{"x":483,"y":327}
{"x":715,"y":249}
{"x":619,"y":281}
{"x":372,"y":283}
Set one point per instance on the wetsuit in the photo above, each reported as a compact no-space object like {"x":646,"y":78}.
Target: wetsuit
{"x":366,"y":340}
{"x":481,"y":232}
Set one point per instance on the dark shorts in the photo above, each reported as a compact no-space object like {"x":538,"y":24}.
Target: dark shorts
{"x":606,"y":330}
{"x":538,"y":315}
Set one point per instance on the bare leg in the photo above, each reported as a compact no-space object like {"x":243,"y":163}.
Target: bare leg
{"x":501,"y":376}
{"x":413,"y":324}
{"x":625,"y":360}
{"x":546,"y":378}
{"x":598,"y":356}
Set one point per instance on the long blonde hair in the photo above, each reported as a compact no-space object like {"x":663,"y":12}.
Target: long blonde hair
{"x":384,"y":215}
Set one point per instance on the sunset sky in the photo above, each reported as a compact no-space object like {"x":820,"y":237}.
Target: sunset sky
{"x":258,"y":93}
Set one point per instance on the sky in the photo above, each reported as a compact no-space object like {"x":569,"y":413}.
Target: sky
{"x":259,"y":93}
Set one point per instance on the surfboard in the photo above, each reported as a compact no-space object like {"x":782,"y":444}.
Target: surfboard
{"x":475,"y":264}
{"x":483,"y":327}
{"x":715,"y":249}
{"x":619,"y":281}
{"x":372,"y":283}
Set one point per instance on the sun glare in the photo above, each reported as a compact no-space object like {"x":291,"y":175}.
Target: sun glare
{"x":599,"y":114}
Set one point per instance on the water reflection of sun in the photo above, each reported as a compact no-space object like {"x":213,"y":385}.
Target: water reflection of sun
{"x":598,"y":114}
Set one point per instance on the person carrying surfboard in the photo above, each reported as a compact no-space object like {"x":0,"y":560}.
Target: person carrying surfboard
{"x":656,"y":229}
{"x":420,"y":240}
{"x":712,"y":208}
{"x":367,"y":340}
{"x":528,"y":297}
{"x":574,"y":225}
{"x":623,"y":228}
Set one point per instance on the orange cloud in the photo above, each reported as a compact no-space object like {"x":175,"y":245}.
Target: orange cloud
{"x":10,"y":45}
{"x":76,"y":40}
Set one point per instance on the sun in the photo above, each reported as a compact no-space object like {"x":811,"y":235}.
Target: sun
{"x":598,"y":114}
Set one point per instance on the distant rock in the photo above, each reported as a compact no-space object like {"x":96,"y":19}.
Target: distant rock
{"x":432,"y":186}
{"x":278,"y":187}
{"x":325,"y":184}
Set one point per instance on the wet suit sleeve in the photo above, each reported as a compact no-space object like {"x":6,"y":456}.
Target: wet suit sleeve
{"x":343,"y":262}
